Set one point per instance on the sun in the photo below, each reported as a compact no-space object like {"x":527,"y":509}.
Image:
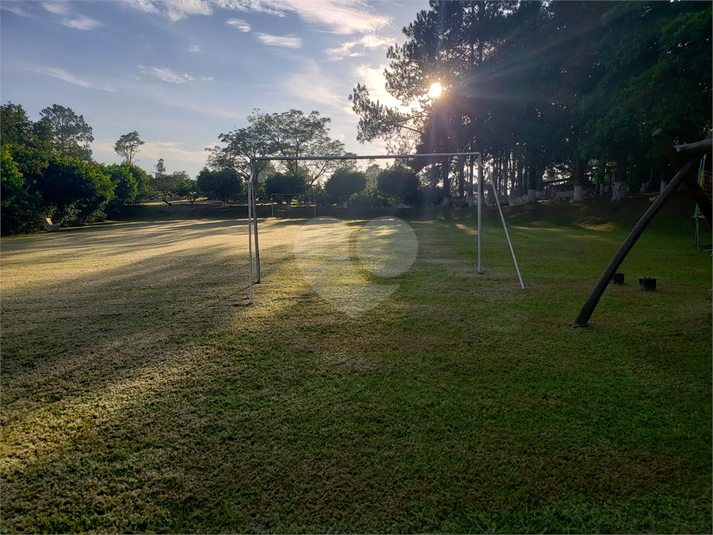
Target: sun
{"x":435,"y":90}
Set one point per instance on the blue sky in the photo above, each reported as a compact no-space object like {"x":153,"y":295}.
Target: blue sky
{"x":180,"y":72}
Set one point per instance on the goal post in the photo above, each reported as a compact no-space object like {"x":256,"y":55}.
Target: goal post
{"x":252,"y":208}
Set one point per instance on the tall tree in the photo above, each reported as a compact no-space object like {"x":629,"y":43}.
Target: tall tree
{"x":15,"y":125}
{"x":290,"y":133}
{"x":75,"y":189}
{"x":20,"y":210}
{"x":344,"y":183}
{"x":655,"y":72}
{"x":71,"y":135}
{"x":164,"y":184}
{"x":222,"y":185}
{"x":128,"y":145}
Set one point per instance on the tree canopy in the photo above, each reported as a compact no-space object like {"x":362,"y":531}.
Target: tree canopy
{"x":344,"y":183}
{"x":128,"y":145}
{"x":71,"y":135}
{"x":548,"y":85}
{"x":291,"y":133}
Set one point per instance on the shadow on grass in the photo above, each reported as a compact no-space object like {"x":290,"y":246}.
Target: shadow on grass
{"x":135,"y":398}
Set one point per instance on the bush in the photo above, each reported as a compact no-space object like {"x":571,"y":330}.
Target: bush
{"x":370,"y":200}
{"x":401,"y":184}
{"x":20,"y":210}
{"x":344,"y":183}
{"x":221,"y":185}
{"x":285,"y":185}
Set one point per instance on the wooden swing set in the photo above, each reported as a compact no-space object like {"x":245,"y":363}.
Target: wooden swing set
{"x":683,"y":159}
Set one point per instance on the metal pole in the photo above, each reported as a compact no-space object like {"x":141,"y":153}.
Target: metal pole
{"x":365,"y":157}
{"x":470,"y":185}
{"x":480,"y":204}
{"x":250,"y":238}
{"x":257,"y":247}
{"x":507,"y":235}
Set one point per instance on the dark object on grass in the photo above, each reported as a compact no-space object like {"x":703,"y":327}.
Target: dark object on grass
{"x":647,"y":284}
{"x":683,"y":159}
{"x":618,"y":278}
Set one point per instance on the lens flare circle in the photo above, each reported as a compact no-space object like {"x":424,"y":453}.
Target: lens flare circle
{"x":387,"y":246}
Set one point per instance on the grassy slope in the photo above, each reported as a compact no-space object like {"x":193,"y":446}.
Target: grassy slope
{"x":139,"y":393}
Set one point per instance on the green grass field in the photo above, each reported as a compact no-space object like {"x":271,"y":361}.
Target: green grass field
{"x":140,"y":393}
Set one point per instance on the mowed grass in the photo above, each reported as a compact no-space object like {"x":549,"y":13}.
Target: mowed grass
{"x":140,"y":393}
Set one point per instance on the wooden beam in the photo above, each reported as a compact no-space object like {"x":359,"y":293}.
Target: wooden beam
{"x":695,"y":150}
{"x":583,"y":318}
{"x":669,"y":150}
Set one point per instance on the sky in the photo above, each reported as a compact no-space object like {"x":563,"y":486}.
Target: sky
{"x":181,"y":72}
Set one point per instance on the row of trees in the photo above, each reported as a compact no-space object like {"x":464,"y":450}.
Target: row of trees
{"x":293,"y":134}
{"x":373,"y":188}
{"x":47,"y":170}
{"x":573,"y":88}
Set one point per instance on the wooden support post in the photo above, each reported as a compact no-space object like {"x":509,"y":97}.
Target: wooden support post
{"x":676,"y":154}
{"x":583,"y":318}
{"x":668,"y":149}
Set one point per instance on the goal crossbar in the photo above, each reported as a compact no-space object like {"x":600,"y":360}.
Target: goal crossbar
{"x":363,"y":157}
{"x":252,"y":204}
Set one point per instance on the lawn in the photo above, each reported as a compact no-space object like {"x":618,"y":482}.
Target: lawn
{"x":140,"y":392}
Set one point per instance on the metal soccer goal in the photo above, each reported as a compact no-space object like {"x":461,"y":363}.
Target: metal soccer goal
{"x":252,"y":206}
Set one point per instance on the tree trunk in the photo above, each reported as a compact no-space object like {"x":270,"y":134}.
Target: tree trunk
{"x":446,"y":183}
{"x":461,"y":176}
{"x":578,"y":180}
{"x":618,"y":191}
{"x":532,"y":184}
{"x":520,"y":180}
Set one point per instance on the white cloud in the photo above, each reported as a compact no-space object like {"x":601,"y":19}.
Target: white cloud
{"x":207,"y":78}
{"x":338,"y":16}
{"x":238,"y":24}
{"x":14,"y":8}
{"x":310,"y":85}
{"x":373,"y":78}
{"x":58,"y":8}
{"x":147,"y":6}
{"x":162,"y":95}
{"x":81,"y":23}
{"x":195,"y":48}
{"x":67,"y":77}
{"x":277,"y":40}
{"x":252,"y":6}
{"x":179,"y":9}
{"x":174,"y":152}
{"x":345,"y":49}
{"x":165,"y":74}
